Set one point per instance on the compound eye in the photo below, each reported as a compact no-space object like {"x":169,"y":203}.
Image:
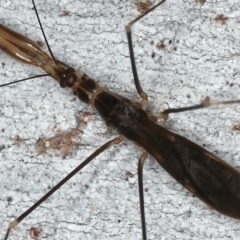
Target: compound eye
{"x":62,"y":81}
{"x":68,"y":78}
{"x":70,"y":71}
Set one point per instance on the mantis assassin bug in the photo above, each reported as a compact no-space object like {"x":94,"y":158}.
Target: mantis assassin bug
{"x":172,"y":118}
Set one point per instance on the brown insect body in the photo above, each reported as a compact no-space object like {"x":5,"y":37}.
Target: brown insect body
{"x":205,"y":175}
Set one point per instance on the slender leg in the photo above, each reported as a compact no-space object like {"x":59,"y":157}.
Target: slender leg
{"x":56,"y":187}
{"x":143,"y":157}
{"x":205,"y":104}
{"x":140,"y":91}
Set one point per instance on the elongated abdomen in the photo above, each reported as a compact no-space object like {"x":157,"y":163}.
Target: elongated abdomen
{"x":205,"y":175}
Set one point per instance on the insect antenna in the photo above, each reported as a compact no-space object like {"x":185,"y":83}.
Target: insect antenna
{"x":27,"y":51}
{"x":24,"y":79}
{"x":45,"y":38}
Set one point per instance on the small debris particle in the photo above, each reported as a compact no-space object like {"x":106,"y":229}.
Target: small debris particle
{"x":201,"y":1}
{"x":35,"y":233}
{"x":161,"y":45}
{"x":236,"y":127}
{"x":221,"y":19}
{"x":18,"y":140}
{"x":129,"y":175}
{"x":47,"y":144}
{"x":64,"y":13}
{"x":2,"y":147}
{"x":142,"y":7}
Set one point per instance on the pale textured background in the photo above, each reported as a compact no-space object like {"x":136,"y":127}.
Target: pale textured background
{"x":102,"y":201}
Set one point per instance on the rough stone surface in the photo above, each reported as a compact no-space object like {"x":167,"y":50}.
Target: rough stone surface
{"x":185,"y":51}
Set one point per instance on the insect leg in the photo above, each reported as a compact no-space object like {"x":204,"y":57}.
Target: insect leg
{"x":128,"y":29}
{"x":107,"y":145}
{"x":205,"y":104}
{"x":141,"y":161}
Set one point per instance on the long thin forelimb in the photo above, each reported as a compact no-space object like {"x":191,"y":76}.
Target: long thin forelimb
{"x":128,"y":28}
{"x":107,"y":145}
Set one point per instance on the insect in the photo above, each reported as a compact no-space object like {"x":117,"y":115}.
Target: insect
{"x":177,"y":228}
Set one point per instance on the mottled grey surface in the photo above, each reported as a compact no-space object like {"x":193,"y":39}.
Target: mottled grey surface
{"x":199,"y":58}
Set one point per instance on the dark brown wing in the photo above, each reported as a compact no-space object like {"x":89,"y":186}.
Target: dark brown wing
{"x":202,"y":173}
{"x":205,"y":175}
